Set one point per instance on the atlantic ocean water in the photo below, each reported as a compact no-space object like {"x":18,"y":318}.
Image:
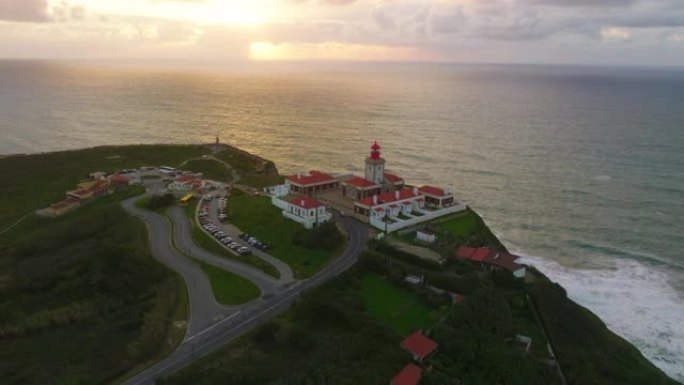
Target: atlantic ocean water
{"x":579,"y":169}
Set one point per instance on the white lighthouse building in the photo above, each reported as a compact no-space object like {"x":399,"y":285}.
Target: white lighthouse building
{"x":375,"y":165}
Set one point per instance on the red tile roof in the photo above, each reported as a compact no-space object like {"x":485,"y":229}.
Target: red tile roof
{"x":64,"y":203}
{"x":392,"y":178}
{"x":480,"y":254}
{"x":410,"y":375}
{"x":188,"y":179}
{"x":312,"y":178}
{"x":504,"y":260}
{"x":306,"y":202}
{"x":419,"y":345}
{"x":360,"y":182}
{"x":388,"y":197}
{"x":457,"y":298}
{"x":464,"y":252}
{"x":433,"y":191}
{"x":119,"y":178}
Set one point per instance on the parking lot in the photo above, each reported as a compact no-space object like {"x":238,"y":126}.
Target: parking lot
{"x":243,"y":244}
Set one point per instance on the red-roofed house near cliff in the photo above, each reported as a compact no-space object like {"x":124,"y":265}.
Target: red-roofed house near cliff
{"x":498,"y":260}
{"x":304,"y":209}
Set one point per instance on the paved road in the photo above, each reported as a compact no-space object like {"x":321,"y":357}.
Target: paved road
{"x":183,"y":237}
{"x":222,"y":332}
{"x":285,"y":271}
{"x":204,"y":310}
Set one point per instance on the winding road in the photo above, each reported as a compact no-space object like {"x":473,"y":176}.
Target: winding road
{"x":210,"y":324}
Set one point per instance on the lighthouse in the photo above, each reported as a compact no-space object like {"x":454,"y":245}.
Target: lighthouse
{"x":375,"y":165}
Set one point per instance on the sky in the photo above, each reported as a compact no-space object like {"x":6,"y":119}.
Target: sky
{"x":603,"y":32}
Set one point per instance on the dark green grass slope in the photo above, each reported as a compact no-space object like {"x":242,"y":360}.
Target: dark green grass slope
{"x":81,"y":299}
{"x":588,"y":351}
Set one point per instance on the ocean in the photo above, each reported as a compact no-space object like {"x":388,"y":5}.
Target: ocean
{"x":579,"y":169}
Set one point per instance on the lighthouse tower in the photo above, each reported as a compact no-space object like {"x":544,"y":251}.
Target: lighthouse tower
{"x":375,"y":165}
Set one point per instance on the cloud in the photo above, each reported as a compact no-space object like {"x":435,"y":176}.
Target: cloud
{"x":322,"y":2}
{"x":584,"y":3}
{"x":34,"y":11}
{"x":615,"y":34}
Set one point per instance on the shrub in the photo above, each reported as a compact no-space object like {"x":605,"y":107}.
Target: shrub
{"x":325,"y":237}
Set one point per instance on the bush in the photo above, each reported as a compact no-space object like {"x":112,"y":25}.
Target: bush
{"x":405,"y":256}
{"x":325,"y":237}
{"x":157,"y":202}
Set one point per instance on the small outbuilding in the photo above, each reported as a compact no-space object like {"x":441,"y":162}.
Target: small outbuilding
{"x":426,"y":236}
{"x":409,"y":375}
{"x":419,"y":346}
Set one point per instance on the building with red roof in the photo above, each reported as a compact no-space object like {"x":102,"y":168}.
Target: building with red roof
{"x":358,"y":188}
{"x":409,"y":375}
{"x":305,"y":202}
{"x":499,"y":260}
{"x":378,"y":196}
{"x":464,"y":252}
{"x":185,"y":183}
{"x":304,"y":209}
{"x":60,"y":208}
{"x":394,"y":179}
{"x":436,"y":196}
{"x":118,"y":181}
{"x":94,"y":190}
{"x":376,"y":179}
{"x":393,"y":204}
{"x":419,"y":346}
{"x":311,"y":183}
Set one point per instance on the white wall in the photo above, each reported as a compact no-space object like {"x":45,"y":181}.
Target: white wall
{"x":400,"y":224}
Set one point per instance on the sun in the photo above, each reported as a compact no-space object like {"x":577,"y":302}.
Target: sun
{"x":263,"y":50}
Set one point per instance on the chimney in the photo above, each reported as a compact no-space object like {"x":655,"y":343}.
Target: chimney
{"x":396,"y":195}
{"x":415,"y":190}
{"x":375,"y":199}
{"x":299,"y":175}
{"x":302,"y":202}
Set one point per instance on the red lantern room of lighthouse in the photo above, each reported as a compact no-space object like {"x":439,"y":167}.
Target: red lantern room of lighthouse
{"x":375,"y":151}
{"x":375,"y":165}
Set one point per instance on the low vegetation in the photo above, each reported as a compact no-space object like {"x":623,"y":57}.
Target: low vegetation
{"x":210,"y":169}
{"x":257,"y":216}
{"x":157,"y":203}
{"x":86,"y":286}
{"x":324,"y":237}
{"x":390,"y":304}
{"x":349,"y":332}
{"x":466,"y":228}
{"x":255,"y":171}
{"x":229,"y":288}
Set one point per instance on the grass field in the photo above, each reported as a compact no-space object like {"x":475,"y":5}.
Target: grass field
{"x":210,"y":244}
{"x":394,"y":306}
{"x":462,"y":226}
{"x":466,"y":228}
{"x":229,"y":288}
{"x":257,"y":216}
{"x":210,"y":169}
